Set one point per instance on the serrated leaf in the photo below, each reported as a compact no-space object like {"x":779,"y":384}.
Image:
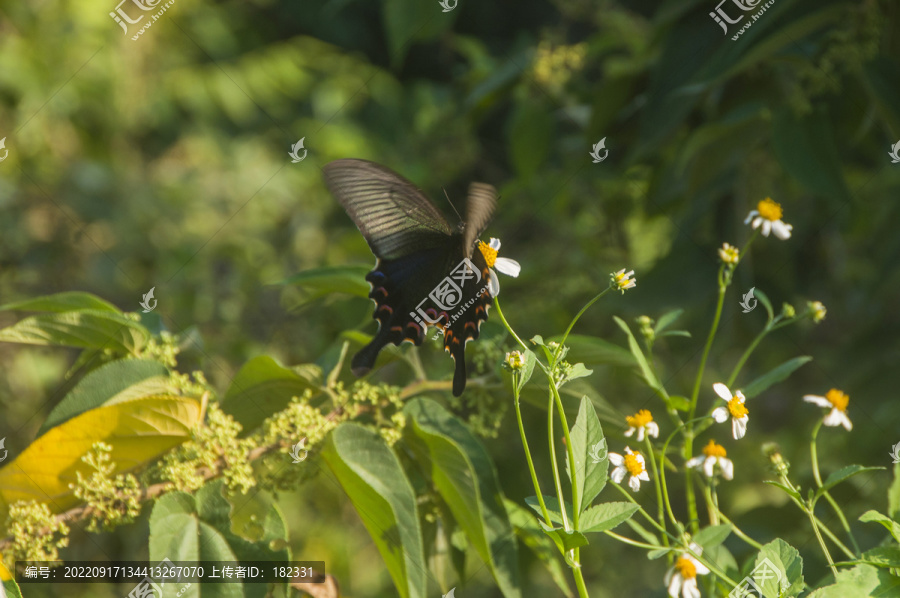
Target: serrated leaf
{"x":842,"y":474}
{"x":374,"y":481}
{"x":63,"y":302}
{"x":774,"y":376}
{"x":605,"y":516}
{"x":552,"y":504}
{"x":532,"y":536}
{"x":11,"y":587}
{"x":591,"y":455}
{"x":788,"y":565}
{"x":92,"y":329}
{"x":464,"y":475}
{"x":565,"y":541}
{"x":138,"y":430}
{"x":578,"y":371}
{"x":882,"y":556}
{"x":712,"y":535}
{"x":862,"y":581}
{"x":333,"y":279}
{"x":120,"y":380}
{"x":263,"y":387}
{"x":527,"y":369}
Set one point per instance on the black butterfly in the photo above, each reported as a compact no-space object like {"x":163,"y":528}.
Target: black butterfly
{"x":426,"y":274}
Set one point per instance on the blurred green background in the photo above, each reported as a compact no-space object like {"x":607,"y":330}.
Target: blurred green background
{"x":162,"y":162}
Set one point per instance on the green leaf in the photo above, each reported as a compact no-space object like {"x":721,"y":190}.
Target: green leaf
{"x":63,"y":302}
{"x":683,"y":333}
{"x":578,"y":371}
{"x":875,"y":517}
{"x":120,"y":380}
{"x":263,"y":387}
{"x":882,"y":556}
{"x":565,"y":541}
{"x":712,"y":535}
{"x":785,"y":488}
{"x":764,"y":299}
{"x":591,"y":456}
{"x":894,"y":495}
{"x":408,"y":21}
{"x":774,"y":376}
{"x":377,"y":486}
{"x":198,"y":528}
{"x":605,"y":516}
{"x":862,"y":581}
{"x":333,"y":279}
{"x":842,"y":474}
{"x":680,"y":403}
{"x":92,"y":329}
{"x":666,"y":320}
{"x":527,"y":370}
{"x":788,"y":565}
{"x":552,"y":504}
{"x":593,"y":350}
{"x":655,"y":554}
{"x":646,"y":370}
{"x":13,"y":591}
{"x":464,"y":475}
{"x":532,"y":536}
{"x":530,"y":132}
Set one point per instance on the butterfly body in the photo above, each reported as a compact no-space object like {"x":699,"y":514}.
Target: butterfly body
{"x":428,"y":274}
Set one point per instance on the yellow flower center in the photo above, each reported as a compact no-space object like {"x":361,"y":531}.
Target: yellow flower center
{"x":686,"y":567}
{"x":490,"y":255}
{"x":714,"y":450}
{"x":737,"y":409}
{"x":769,"y":210}
{"x":639,"y":419}
{"x":838,"y":399}
{"x":632,"y":464}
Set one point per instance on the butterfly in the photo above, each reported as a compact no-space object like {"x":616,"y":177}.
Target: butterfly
{"x":427,"y":273}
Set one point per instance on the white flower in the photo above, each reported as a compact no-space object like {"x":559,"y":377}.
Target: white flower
{"x":505,"y":265}
{"x":768,"y":214}
{"x":642,"y":422}
{"x":837,"y":401}
{"x":735,"y":408}
{"x":682,"y":578}
{"x":623,"y":280}
{"x":729,"y":254}
{"x":633,"y":463}
{"x":713,"y":454}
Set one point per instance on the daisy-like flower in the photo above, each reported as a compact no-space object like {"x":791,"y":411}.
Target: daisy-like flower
{"x":515,"y":361}
{"x":505,"y":265}
{"x":818,"y":310}
{"x":768,"y":214}
{"x":681,"y":579}
{"x":713,"y":454}
{"x":633,"y":463}
{"x":623,"y":280}
{"x":641,"y":422}
{"x":729,"y":254}
{"x":735,"y":408}
{"x":837,"y":401}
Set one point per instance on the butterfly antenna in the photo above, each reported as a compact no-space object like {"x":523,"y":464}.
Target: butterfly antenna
{"x":451,"y":204}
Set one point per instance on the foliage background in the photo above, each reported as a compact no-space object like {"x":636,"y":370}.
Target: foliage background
{"x":162,"y":163}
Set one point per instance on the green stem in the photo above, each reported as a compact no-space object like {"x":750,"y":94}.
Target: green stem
{"x":709,"y":340}
{"x":815,"y":526}
{"x":746,"y":355}
{"x":662,"y":467}
{"x":661,"y":516}
{"x":570,"y":450}
{"x":815,"y":467}
{"x":556,"y":482}
{"x":576,"y":318}
{"x":534,"y":479}
{"x":579,"y":580}
{"x":507,"y":326}
{"x":828,"y":532}
{"x":738,"y":532}
{"x":712,"y":503}
{"x":632,"y":542}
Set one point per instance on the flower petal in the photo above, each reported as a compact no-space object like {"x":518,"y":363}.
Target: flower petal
{"x":727,"y":467}
{"x":690,"y":589}
{"x":846,"y":421}
{"x":653,"y":429}
{"x":644,"y":476}
{"x":675,"y":585}
{"x":616,"y":459}
{"x":507,"y":266}
{"x":617,"y":475}
{"x":740,"y":396}
{"x":700,"y":567}
{"x":766,"y":227}
{"x":720,"y":414}
{"x":750,"y":216}
{"x":817,"y":400}
{"x":782,"y":230}
{"x":494,"y":244}
{"x":493,"y":282}
{"x":694,"y":462}
{"x":708,"y":466}
{"x":634,"y":483}
{"x":722,"y":391}
{"x":640,"y":434}
{"x":739,"y":426}
{"x":757,"y":221}
{"x":629,"y":432}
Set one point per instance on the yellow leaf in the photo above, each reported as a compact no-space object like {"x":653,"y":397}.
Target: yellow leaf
{"x":138,"y":430}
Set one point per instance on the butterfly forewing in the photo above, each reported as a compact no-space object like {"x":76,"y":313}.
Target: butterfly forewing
{"x":479,"y":209}
{"x":392,"y":214}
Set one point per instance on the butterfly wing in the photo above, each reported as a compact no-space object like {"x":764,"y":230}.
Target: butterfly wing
{"x":393,"y":215}
{"x":479,"y":209}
